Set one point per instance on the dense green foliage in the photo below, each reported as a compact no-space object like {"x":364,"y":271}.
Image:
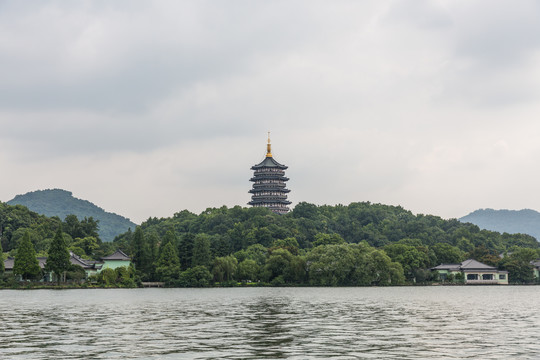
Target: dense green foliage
{"x":119,"y":277}
{"x":26,"y":262}
{"x":358,"y":244}
{"x":81,"y":237}
{"x":61,"y":203}
{"x":15,"y":221}
{"x":58,"y":258}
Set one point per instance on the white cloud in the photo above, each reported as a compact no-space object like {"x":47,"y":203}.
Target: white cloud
{"x":147,"y":108}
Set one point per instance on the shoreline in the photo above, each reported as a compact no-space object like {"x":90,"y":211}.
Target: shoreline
{"x":82,"y":287}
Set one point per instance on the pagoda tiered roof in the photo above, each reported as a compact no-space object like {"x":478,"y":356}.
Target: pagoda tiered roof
{"x":269,"y":184}
{"x":269,"y":162}
{"x":269,"y":177}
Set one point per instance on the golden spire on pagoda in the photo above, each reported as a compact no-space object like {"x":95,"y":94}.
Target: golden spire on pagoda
{"x":269,"y":147}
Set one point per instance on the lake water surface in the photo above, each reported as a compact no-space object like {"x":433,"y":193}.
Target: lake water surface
{"x":483,"y":322}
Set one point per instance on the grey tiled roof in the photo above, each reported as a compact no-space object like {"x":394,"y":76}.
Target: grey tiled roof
{"x":268,"y":162}
{"x":10,"y":262}
{"x":449,"y":267}
{"x":118,"y":255}
{"x":75,"y":260}
{"x":467,"y":265}
{"x":475,"y":265}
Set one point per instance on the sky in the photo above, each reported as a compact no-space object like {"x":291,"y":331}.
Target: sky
{"x":147,"y":108}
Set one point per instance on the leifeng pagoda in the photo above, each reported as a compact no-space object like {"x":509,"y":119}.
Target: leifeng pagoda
{"x":269,"y":184}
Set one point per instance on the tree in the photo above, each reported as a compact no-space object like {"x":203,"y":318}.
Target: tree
{"x":125,"y":276}
{"x":277,"y":264}
{"x":305,"y":210}
{"x":90,"y":228}
{"x":169,"y":237}
{"x":185,"y":250}
{"x":290,"y":244}
{"x":248,"y":270}
{"x":383,"y":271}
{"x":220,"y":245}
{"x":409,"y":256}
{"x":327,"y":239}
{"x":295,"y":272}
{"x":58,"y":260}
{"x":124,"y":241}
{"x":153,"y":241}
{"x":141,"y":253}
{"x":201,"y":251}
{"x":224,"y":268}
{"x":88,"y":244}
{"x":447,"y":254}
{"x":197,"y":276}
{"x":168,"y":264}
{"x":73,"y":226}
{"x":107,"y":277}
{"x":26,"y":263}
{"x":331,"y":265}
{"x":255,"y":252}
{"x":518,"y":265}
{"x":396,"y":274}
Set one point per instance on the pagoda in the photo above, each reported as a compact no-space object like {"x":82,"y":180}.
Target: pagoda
{"x":269,"y":184}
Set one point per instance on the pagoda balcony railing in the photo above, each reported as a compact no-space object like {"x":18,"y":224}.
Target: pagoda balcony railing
{"x":270,"y":184}
{"x":269,"y":177}
{"x":270,"y":200}
{"x":267,"y":189}
{"x":268,"y":192}
{"x":269,"y":197}
{"x":269,"y":171}
{"x":271,"y":206}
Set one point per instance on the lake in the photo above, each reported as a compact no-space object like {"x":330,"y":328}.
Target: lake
{"x":435,"y":322}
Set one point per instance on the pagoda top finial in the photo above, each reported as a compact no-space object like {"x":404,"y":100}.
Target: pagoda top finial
{"x":269,"y":147}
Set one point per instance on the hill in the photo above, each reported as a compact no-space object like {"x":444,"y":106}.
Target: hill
{"x":525,"y":221}
{"x":57,"y":202}
{"x":379,"y":225}
{"x":325,"y":245}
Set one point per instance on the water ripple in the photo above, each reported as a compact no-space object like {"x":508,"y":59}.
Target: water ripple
{"x":271,"y":323}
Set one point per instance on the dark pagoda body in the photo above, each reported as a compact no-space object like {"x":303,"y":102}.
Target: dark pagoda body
{"x":269,"y":184}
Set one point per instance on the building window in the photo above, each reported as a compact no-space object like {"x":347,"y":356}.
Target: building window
{"x":472,"y":276}
{"x":487,"y":277}
{"x":502,"y":277}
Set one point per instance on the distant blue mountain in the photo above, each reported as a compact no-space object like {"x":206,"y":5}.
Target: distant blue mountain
{"x":57,"y":202}
{"x":525,"y":221}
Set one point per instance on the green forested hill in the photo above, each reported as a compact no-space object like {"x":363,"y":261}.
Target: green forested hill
{"x":510,"y":221}
{"x":61,"y":203}
{"x":345,"y":245}
{"x":377,"y":224}
{"x":15,"y":220}
{"x":356,"y":244}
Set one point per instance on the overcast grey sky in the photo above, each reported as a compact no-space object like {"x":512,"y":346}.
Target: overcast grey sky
{"x":147,"y":108}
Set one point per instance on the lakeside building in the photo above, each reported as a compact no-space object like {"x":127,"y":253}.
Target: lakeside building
{"x":269,"y":184}
{"x":536,"y":268}
{"x":91,"y":267}
{"x":474,"y":272}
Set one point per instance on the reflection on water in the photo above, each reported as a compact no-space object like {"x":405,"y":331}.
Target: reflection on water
{"x":272,"y":323}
